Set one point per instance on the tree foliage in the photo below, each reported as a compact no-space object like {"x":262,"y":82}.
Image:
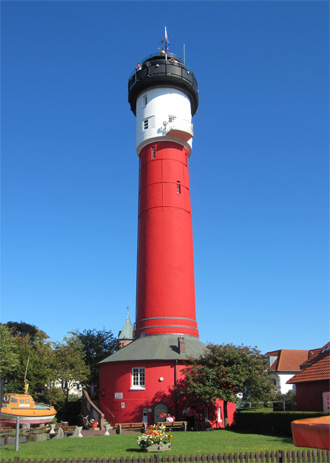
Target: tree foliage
{"x":223,"y":372}
{"x":26,"y":330}
{"x":289,"y":398}
{"x":96,"y":345}
{"x":21,"y":344}
{"x":9,"y":357}
{"x":51,"y":364}
{"x":70,"y":367}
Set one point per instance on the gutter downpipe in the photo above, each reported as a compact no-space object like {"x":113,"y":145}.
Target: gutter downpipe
{"x":175,"y":389}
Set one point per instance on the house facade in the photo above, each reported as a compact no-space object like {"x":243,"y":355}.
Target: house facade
{"x":138,"y":383}
{"x":284,"y":364}
{"x":313,"y":381}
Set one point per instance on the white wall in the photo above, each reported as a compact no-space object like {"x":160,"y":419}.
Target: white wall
{"x":159,"y":105}
{"x":283,"y":378}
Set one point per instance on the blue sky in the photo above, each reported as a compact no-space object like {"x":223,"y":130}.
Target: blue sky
{"x":259,"y":171}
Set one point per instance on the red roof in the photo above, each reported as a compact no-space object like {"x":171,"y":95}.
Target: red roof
{"x":287,"y":359}
{"x":317,"y":370}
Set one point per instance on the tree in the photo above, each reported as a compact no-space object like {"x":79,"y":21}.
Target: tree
{"x":290,"y":401}
{"x":25,"y":344}
{"x":223,"y":372}
{"x":25,"y":329}
{"x":70,"y":367}
{"x":9,"y":357}
{"x":96,"y":345}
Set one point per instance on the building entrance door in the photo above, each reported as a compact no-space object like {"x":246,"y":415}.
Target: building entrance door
{"x":160,"y":409}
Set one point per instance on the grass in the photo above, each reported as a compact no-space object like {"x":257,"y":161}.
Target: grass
{"x":124,"y":445}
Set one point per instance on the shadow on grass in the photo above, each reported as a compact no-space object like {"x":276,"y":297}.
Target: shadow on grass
{"x":276,"y":437}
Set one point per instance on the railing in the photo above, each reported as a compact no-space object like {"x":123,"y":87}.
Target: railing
{"x":103,"y":405}
{"x":280,"y":456}
{"x":178,"y":123}
{"x":93,"y":411}
{"x":163,"y":67}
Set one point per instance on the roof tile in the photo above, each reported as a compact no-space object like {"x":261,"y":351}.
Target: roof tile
{"x":288,"y":360}
{"x":318,"y":370}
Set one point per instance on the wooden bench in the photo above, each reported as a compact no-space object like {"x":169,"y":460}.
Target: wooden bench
{"x":130,"y":426}
{"x":175,"y":425}
{"x":67,"y":430}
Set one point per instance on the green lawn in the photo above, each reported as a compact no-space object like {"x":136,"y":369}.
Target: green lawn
{"x":183,"y":443}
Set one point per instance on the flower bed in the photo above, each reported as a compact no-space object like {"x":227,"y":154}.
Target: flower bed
{"x":155,"y":439}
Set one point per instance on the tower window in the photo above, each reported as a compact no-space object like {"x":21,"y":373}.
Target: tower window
{"x":138,"y":378}
{"x":153,"y":152}
{"x":145,"y":124}
{"x":178,"y":188}
{"x":145,"y":100}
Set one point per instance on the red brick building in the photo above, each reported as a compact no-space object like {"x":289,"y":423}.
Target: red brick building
{"x":313,"y":381}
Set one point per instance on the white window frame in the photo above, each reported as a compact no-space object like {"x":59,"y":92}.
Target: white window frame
{"x":138,"y":378}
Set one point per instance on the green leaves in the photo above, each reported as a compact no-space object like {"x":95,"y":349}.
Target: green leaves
{"x":70,"y":367}
{"x":224,"y":371}
{"x":51,"y":364}
{"x":96,"y":345}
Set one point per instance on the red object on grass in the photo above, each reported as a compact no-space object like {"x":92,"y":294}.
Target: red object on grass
{"x":312,"y":432}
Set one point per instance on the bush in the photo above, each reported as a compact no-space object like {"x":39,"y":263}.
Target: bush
{"x":69,"y":411}
{"x":290,"y":401}
{"x":266,"y":422}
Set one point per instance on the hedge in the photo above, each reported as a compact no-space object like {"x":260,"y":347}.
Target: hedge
{"x":270,"y":422}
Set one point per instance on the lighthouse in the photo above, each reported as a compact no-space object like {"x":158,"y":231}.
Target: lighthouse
{"x":138,"y":383}
{"x":163,"y":95}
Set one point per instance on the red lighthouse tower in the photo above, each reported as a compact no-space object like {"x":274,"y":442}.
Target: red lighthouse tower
{"x":138,"y":382}
{"x":163,"y":95}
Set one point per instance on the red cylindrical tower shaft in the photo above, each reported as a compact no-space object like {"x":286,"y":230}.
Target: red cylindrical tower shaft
{"x":165,"y":271}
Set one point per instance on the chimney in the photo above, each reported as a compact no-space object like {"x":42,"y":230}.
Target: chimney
{"x":182,"y":345}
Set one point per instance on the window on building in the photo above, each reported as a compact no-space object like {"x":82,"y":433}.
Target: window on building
{"x":138,"y":378}
{"x":178,"y":188}
{"x":219,"y":415}
{"x":145,"y":100}
{"x":153,"y":152}
{"x":145,"y":124}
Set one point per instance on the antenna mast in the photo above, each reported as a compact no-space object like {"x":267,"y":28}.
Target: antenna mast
{"x":26,"y":385}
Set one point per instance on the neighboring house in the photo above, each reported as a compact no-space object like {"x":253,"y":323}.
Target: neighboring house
{"x":75,"y":389}
{"x":284,"y":364}
{"x":313,"y":381}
